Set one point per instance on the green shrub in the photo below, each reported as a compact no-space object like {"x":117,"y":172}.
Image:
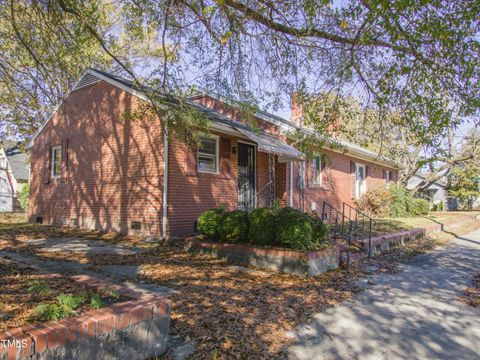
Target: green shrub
{"x":438,"y":206}
{"x":262,"y":226}
{"x":40,"y":288}
{"x":422,"y":206}
{"x":320,"y":230}
{"x":234,"y":226}
{"x":96,"y":302}
{"x":67,"y":305}
{"x":24,"y":194}
{"x":72,"y":301}
{"x":294,"y":229}
{"x":51,"y":312}
{"x":401,"y":202}
{"x":404,"y":204}
{"x":209,"y":222}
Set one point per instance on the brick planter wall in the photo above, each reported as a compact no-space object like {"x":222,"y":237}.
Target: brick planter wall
{"x":385,"y":242}
{"x":289,"y":261}
{"x":136,"y":329}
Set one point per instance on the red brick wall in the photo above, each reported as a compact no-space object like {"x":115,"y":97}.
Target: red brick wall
{"x":191,"y":192}
{"x":338,"y":181}
{"x":115,"y":169}
{"x":115,"y":166}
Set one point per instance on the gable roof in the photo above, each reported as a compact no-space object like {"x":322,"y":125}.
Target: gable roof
{"x":18,"y":161}
{"x":440,"y":183}
{"x":92,"y":76}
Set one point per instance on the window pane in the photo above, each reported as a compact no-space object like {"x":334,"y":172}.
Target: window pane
{"x":207,"y":163}
{"x":318,"y":163}
{"x":56,"y":161}
{"x":360,"y":173}
{"x":207,"y":155}
{"x":208,"y":146}
{"x":317,"y":170}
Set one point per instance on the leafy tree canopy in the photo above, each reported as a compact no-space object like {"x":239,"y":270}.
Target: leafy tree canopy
{"x":417,"y":60}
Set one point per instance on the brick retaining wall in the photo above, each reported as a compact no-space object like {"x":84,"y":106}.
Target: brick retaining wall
{"x":136,"y":329}
{"x":387,"y":241}
{"x":290,"y":261}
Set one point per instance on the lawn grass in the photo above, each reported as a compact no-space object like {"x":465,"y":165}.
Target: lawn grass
{"x":390,"y":225}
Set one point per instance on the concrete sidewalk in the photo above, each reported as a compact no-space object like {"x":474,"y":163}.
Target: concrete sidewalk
{"x":413,"y":315}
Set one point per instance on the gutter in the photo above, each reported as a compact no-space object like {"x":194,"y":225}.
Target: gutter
{"x":291,"y":184}
{"x":165,"y":183}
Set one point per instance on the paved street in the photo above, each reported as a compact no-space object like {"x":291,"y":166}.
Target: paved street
{"x":413,"y":315}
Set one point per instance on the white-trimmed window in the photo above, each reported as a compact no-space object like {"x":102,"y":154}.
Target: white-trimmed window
{"x":317,"y":170}
{"x":208,"y":154}
{"x":388,"y":176}
{"x":56,"y":161}
{"x":360,"y":180}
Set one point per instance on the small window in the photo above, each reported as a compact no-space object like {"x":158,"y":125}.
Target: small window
{"x":208,"y":154}
{"x":56,"y":161}
{"x":136,"y":225}
{"x":317,"y":170}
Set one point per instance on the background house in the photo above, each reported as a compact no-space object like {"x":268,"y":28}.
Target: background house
{"x":14,"y":173}
{"x":436,"y":194}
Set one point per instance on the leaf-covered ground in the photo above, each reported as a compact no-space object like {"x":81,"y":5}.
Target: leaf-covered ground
{"x":14,"y":228}
{"x":231,"y":312}
{"x":472,"y":294}
{"x":22,"y":290}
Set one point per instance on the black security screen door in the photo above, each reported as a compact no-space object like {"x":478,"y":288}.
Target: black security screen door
{"x":246,"y":176}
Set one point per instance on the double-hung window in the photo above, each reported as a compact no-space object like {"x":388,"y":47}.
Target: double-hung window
{"x":317,"y":170}
{"x":208,"y":154}
{"x":56,"y":161}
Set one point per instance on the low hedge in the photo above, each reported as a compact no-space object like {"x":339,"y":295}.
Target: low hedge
{"x":422,"y":206}
{"x":320,"y":230}
{"x":393,"y":201}
{"x":209,"y":222}
{"x":294,"y":229}
{"x":262,"y":226}
{"x":268,"y":226}
{"x":405,"y":205}
{"x":234,"y":226}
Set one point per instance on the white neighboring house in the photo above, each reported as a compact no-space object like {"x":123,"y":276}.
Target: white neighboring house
{"x":14,"y":173}
{"x":436,"y":193}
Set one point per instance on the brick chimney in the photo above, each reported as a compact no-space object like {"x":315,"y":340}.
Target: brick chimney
{"x":297,"y":110}
{"x":333,"y":127}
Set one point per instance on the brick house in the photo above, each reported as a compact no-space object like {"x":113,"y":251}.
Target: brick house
{"x":94,"y":168}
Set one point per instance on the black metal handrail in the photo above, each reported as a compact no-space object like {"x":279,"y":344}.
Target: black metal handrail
{"x":335,"y":219}
{"x":362,"y":225}
{"x":348,"y":225}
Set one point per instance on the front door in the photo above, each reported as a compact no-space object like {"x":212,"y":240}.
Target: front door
{"x":246,"y":176}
